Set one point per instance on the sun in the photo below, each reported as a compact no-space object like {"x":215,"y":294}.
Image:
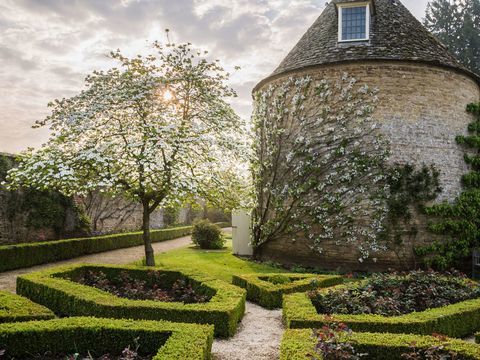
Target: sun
{"x":168,"y":95}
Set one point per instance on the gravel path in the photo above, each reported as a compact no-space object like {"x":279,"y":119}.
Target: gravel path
{"x":121,"y":256}
{"x":258,"y":337}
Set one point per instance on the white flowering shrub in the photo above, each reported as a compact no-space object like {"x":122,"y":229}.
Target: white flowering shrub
{"x":320,"y":166}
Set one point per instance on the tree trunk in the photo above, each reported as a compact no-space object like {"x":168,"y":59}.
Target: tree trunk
{"x":205,"y":211}
{"x":149,"y":255}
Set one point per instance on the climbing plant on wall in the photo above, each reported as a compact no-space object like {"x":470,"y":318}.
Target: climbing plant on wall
{"x":40,"y":210}
{"x":458,"y":223}
{"x":321,"y":170}
{"x":320,"y":163}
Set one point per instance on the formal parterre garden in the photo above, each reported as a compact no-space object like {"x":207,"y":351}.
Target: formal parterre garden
{"x":175,"y":310}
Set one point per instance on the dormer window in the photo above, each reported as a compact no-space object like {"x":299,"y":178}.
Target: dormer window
{"x":353,"y":21}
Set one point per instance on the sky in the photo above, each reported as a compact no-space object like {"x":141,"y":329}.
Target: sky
{"x":47,"y":47}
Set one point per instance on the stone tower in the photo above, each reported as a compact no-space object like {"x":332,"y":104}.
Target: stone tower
{"x":420,"y":108}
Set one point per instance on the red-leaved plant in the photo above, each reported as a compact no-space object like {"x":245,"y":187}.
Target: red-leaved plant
{"x":333,"y":343}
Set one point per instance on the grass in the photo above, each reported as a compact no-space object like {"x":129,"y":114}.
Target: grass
{"x":220,"y":264}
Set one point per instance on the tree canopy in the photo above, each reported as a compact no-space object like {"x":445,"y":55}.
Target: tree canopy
{"x":457,"y":24}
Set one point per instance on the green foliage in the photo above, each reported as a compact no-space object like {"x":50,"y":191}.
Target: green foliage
{"x":26,"y":255}
{"x":261,"y":290}
{"x":458,"y":223}
{"x":409,"y":189}
{"x":207,"y":235}
{"x":14,"y":308}
{"x":166,"y":340}
{"x":300,"y":344}
{"x":53,"y":288}
{"x":457,"y":320}
{"x":457,"y":24}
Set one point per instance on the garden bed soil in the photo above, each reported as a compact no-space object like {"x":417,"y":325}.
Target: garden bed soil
{"x":153,"y":288}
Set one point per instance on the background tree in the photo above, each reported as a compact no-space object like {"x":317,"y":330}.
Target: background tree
{"x":457,"y":24}
{"x":459,"y":222}
{"x":156,"y":129}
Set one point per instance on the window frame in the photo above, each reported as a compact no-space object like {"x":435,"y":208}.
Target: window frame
{"x":340,"y":18}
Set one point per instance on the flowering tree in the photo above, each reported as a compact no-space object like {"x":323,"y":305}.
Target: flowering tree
{"x":156,"y":128}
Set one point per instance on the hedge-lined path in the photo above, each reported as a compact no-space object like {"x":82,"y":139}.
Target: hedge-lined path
{"x":120,"y":256}
{"x":258,"y":336}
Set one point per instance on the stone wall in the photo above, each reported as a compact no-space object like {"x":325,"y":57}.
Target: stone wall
{"x":421,"y":109}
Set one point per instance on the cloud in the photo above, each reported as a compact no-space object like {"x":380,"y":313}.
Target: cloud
{"x":16,"y":58}
{"x":47,"y":47}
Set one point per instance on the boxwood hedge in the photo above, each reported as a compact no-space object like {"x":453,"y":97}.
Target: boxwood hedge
{"x":165,"y":340}
{"x":16,"y":308}
{"x":30,"y":254}
{"x":457,"y":320}
{"x":267,"y":289}
{"x":299,"y":345}
{"x":53,"y":289}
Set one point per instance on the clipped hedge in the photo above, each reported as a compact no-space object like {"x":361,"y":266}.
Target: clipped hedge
{"x":165,"y":340}
{"x":15,"y":308}
{"x":299,"y":345}
{"x":261,"y":289}
{"x":26,"y":255}
{"x":457,"y":320}
{"x":68,"y":298}
{"x":223,"y":225}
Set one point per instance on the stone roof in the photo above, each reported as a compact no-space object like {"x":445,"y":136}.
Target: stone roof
{"x":395,"y":34}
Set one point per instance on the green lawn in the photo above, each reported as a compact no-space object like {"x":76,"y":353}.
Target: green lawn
{"x":220,"y":264}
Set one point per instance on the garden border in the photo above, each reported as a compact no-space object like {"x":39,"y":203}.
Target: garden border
{"x":182,"y":340}
{"x":30,"y":254}
{"x":67,"y":298}
{"x":15,"y":308}
{"x":270,"y":295}
{"x":457,"y":320}
{"x":298,"y":344}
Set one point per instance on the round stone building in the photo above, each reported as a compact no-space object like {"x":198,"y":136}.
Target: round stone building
{"x":419,"y":93}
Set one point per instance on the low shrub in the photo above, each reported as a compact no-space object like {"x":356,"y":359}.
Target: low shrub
{"x":397,"y":294}
{"x":54,"y":288}
{"x":26,"y":255}
{"x":267,"y":289}
{"x":207,"y":235}
{"x":457,"y":320}
{"x":302,"y":344}
{"x":163,"y":340}
{"x":15,"y":308}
